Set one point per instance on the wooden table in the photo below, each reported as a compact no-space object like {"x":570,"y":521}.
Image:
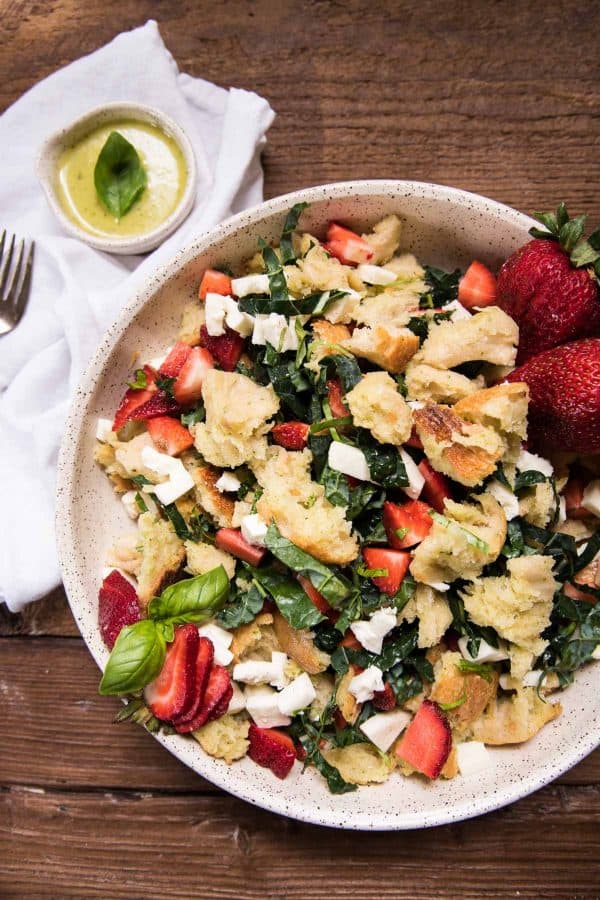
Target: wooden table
{"x":497,"y":97}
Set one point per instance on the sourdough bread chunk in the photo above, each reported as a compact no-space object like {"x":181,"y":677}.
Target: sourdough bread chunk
{"x":466,"y":452}
{"x":407,"y":267}
{"x":514,"y":719}
{"x":163,"y":554}
{"x":392,"y":309}
{"x":202,"y":558}
{"x":327,"y":339}
{"x":387,"y":347}
{"x":321,"y":272}
{"x":360,"y":763}
{"x":208,"y":496}
{"x":448,"y":552}
{"x":488,"y":336}
{"x":237,"y":414}
{"x":192,"y":320}
{"x":225,"y":738}
{"x":503,"y":408}
{"x":517,"y":605}
{"x":376,"y":404}
{"x":537,"y":504}
{"x":347,"y":702}
{"x":128,"y":456}
{"x":126,"y":553}
{"x":298,"y":643}
{"x":384,"y":239}
{"x":424,"y":382}
{"x":298,"y":506}
{"x":452,"y":685}
{"x":431,"y":608}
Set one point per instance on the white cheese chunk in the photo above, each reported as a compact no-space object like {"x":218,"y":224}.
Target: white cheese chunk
{"x":348,"y":460}
{"x":299,"y":694}
{"x":250,"y":284}
{"x":261,"y":704}
{"x":254,"y":530}
{"x":382,"y":729}
{"x":371,"y":632}
{"x":228,"y":482}
{"x":505,"y":497}
{"x":415,"y":404}
{"x":260,"y":671}
{"x":375,"y":274}
{"x":275,"y":330}
{"x":591,"y":497}
{"x":104,"y":430}
{"x":415,"y":479}
{"x":215,"y":310}
{"x":179,"y":479}
{"x":532,"y":678}
{"x":131,"y":507}
{"x":237,"y":702}
{"x":485,"y":654}
{"x":527,"y":461}
{"x":441,"y":586}
{"x":365,"y":685}
{"x":457,"y":309}
{"x":221,"y":640}
{"x":472,"y":757}
{"x":279,"y":661}
{"x":237,"y":320}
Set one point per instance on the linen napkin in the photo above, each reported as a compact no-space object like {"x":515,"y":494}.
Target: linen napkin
{"x":77,"y":291}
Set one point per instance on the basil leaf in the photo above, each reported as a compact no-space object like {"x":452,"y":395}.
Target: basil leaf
{"x":136,"y":659}
{"x":242,"y":609}
{"x":291,"y":224}
{"x":191,"y":600}
{"x":334,"y":588}
{"x":119,"y":176}
{"x":293,"y":602}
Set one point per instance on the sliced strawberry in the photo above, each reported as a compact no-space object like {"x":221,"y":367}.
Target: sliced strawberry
{"x":395,"y":561}
{"x":173,"y":692}
{"x":385,"y":699}
{"x":134,"y":398}
{"x":575,"y":594}
{"x":272,"y":749}
{"x":219,"y":692}
{"x":573,"y":494}
{"x":339,"y":720}
{"x":477,"y":287}
{"x":204,"y":662}
{"x":427,"y":741}
{"x":412,"y":517}
{"x":169,"y":435}
{"x":351,"y":641}
{"x":231,"y":540}
{"x":436,"y":488}
{"x":172,"y":365}
{"x":335,"y":394}
{"x":347,"y":246}
{"x":414,"y":440}
{"x":226,"y":348}
{"x":317,"y":599}
{"x":291,"y":435}
{"x":159,"y":403}
{"x":117,"y":607}
{"x":214,"y":282}
{"x":188,"y":387}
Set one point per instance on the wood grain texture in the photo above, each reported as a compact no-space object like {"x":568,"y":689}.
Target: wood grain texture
{"x":491,"y":95}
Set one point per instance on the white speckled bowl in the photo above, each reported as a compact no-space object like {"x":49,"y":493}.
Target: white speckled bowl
{"x":443,"y":226}
{"x":47,"y":172}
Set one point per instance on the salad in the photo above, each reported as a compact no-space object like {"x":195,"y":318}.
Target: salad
{"x":348,"y":551}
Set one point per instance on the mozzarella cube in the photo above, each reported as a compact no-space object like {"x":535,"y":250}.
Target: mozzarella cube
{"x":221,"y":641}
{"x":485,"y":654}
{"x":382,"y":729}
{"x":104,"y":430}
{"x":215,"y":310}
{"x":262,"y":706}
{"x":371,"y":632}
{"x":131,"y":507}
{"x":250,"y":284}
{"x":237,"y":320}
{"x":348,"y":460}
{"x":415,"y":479}
{"x":254,"y":530}
{"x":472,"y":757}
{"x":457,"y":309}
{"x":179,"y":481}
{"x":279,"y":662}
{"x":505,"y":497}
{"x":228,"y":482}
{"x":375,"y":274}
{"x":531,"y":461}
{"x":591,"y":497}
{"x":237,"y":702}
{"x":366,"y":685}
{"x":260,"y":671}
{"x":275,"y":330}
{"x":299,"y":694}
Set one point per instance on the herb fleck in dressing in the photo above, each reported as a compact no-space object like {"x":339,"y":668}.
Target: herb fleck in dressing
{"x":166,"y":173}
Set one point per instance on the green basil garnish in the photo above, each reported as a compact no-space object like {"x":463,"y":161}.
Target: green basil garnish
{"x":119,"y":176}
{"x":192,"y":600}
{"x":135,"y":660}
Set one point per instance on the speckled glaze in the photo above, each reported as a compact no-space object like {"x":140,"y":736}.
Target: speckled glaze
{"x":51,"y":150}
{"x":443,"y":226}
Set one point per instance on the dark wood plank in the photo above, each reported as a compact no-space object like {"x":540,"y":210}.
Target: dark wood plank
{"x":49,"y":616}
{"x":168,"y":846}
{"x":58,"y":732}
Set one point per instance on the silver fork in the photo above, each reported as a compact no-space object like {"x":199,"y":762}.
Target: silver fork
{"x":15,"y":281}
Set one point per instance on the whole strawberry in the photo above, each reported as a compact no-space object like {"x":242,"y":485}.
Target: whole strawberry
{"x":550,"y":285}
{"x":564,"y":404}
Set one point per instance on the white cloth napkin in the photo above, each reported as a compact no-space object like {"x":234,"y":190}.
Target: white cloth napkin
{"x":77,"y":291}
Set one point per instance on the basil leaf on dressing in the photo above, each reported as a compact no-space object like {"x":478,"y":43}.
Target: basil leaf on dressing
{"x":135,"y":660}
{"x":119,"y":176}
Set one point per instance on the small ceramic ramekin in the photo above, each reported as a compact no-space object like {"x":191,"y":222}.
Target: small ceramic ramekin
{"x":47,"y":171}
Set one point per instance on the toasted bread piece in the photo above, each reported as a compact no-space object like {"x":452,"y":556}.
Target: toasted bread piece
{"x":347,"y":702}
{"x":466,"y":452}
{"x":512,"y":720}
{"x":452,"y":685}
{"x":503,"y":408}
{"x":209,"y":497}
{"x":488,"y":336}
{"x":384,"y":239}
{"x":431,"y":608}
{"x":192,"y":320}
{"x":327,"y":340}
{"x":386,"y":347}
{"x":225,"y":738}
{"x":376,"y":404}
{"x":298,"y":643}
{"x":163,"y":554}
{"x":202,"y":558}
{"x":360,"y":763}
{"x":425,"y":383}
{"x":246,"y":638}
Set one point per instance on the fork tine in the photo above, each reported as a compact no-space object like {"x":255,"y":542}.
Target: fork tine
{"x":2,"y":240}
{"x":6,"y":266}
{"x":22,"y":294}
{"x":11,"y":288}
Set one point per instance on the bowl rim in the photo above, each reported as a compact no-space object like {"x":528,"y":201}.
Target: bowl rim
{"x":273,"y":801}
{"x":46,"y":162}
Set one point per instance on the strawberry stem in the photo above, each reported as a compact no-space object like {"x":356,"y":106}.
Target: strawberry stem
{"x":569,"y":234}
